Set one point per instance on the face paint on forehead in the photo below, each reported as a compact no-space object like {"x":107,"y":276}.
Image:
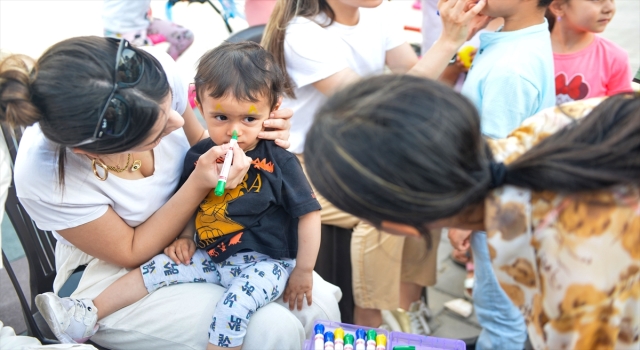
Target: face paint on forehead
{"x":253,"y":109}
{"x":219,"y":108}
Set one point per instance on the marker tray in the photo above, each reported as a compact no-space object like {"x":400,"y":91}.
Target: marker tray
{"x":422,"y":342}
{"x":348,"y":328}
{"x":394,"y":338}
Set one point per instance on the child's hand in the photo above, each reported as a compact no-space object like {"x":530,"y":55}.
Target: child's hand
{"x":300,"y":284}
{"x":181,"y":250}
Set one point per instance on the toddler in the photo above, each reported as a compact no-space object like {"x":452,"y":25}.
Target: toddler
{"x":260,"y":239}
{"x":586,"y":65}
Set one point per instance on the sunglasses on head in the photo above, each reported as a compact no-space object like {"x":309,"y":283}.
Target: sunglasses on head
{"x":116,"y":115}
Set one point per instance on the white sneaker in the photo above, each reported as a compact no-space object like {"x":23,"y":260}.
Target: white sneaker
{"x":71,"y":320}
{"x":419,"y":314}
{"x":390,"y":322}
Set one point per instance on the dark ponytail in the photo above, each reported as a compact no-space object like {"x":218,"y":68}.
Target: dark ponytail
{"x":409,"y":150}
{"x":598,"y":151}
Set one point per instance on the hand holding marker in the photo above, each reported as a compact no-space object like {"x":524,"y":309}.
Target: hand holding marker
{"x":226,"y":166}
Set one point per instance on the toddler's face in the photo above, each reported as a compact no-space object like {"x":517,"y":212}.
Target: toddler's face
{"x":226,"y":114}
{"x":588,"y":15}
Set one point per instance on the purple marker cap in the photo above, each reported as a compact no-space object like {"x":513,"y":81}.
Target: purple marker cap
{"x":328,"y":337}
{"x":360,"y":334}
{"x":318,"y":329}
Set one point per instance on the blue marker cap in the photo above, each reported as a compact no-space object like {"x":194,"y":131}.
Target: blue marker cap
{"x":360,"y":334}
{"x":328,"y":337}
{"x":318,"y":329}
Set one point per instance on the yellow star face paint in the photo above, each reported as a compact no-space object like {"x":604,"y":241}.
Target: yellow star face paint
{"x":253,"y":110}
{"x":219,"y":108}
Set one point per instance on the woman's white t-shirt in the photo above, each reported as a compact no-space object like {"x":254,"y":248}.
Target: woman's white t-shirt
{"x":85,"y":198}
{"x":313,"y":52}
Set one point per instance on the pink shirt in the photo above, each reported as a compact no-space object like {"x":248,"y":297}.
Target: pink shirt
{"x":600,"y":69}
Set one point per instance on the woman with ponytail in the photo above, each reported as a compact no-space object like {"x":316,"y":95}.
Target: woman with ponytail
{"x":322,"y":45}
{"x":559,"y":197}
{"x":99,"y":167}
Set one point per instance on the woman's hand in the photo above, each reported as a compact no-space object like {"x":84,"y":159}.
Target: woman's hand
{"x":181,"y":250}
{"x":207,"y":169}
{"x":300,"y":284}
{"x":277,"y":126}
{"x":460,"y":239}
{"x":461,"y":19}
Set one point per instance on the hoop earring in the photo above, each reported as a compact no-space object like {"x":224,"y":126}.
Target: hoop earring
{"x":95,"y":171}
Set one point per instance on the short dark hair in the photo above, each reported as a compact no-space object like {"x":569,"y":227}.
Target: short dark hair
{"x":243,"y":69}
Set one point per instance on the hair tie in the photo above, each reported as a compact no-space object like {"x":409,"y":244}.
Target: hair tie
{"x":498,"y":174}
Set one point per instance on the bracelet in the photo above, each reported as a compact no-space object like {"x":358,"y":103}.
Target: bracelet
{"x":453,"y":59}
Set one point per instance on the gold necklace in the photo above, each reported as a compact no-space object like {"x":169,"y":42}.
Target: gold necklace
{"x":116,"y":168}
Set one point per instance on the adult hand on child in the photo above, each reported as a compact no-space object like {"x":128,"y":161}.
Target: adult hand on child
{"x":300,"y":284}
{"x":278,"y":125}
{"x":460,"y":239}
{"x":478,"y":22}
{"x":461,"y":19}
{"x":181,"y":250}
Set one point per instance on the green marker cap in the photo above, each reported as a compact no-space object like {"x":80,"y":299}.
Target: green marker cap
{"x":404,"y":347}
{"x":348,"y":339}
{"x":371,"y":334}
{"x":220,"y":188}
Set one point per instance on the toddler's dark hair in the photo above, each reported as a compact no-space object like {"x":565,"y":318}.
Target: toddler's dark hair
{"x":244,"y":69}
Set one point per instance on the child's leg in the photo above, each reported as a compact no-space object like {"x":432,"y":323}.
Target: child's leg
{"x":79,"y":324}
{"x":253,"y":280}
{"x":178,"y":36}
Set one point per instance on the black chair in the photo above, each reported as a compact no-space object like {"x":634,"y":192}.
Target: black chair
{"x":39,"y":248}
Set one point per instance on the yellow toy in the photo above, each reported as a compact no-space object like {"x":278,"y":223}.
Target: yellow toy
{"x":465,"y":55}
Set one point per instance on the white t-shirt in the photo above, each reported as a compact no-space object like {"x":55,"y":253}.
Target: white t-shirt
{"x":85,"y":198}
{"x":123,"y":16}
{"x":313,"y":53}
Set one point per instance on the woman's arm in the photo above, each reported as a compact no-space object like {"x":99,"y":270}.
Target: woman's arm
{"x":111,"y":239}
{"x":458,"y":24}
{"x":460,"y":21}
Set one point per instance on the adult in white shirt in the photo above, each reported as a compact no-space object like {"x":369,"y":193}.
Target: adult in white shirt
{"x":323,"y":45}
{"x":100,"y":168}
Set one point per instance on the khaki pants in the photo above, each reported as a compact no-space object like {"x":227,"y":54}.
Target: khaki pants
{"x":380,"y":261}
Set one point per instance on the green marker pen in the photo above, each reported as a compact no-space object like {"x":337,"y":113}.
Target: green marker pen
{"x":226,"y":166}
{"x":348,"y":341}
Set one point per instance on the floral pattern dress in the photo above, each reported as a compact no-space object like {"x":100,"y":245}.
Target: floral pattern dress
{"x":571,"y":263}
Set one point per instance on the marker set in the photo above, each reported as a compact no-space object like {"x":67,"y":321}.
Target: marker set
{"x":338,"y":340}
{"x":342,"y":336}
